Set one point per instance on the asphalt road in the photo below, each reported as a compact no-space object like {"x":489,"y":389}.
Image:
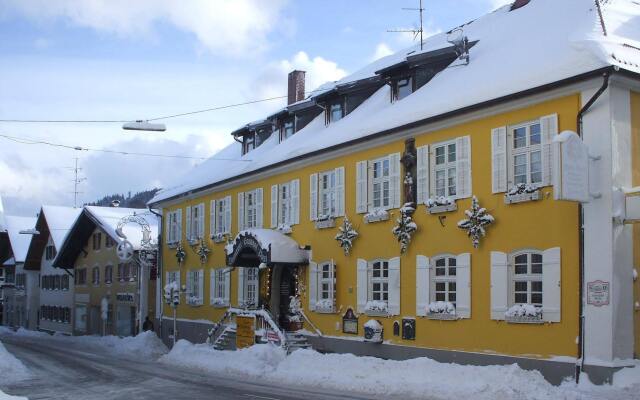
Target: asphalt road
{"x":76,"y":372}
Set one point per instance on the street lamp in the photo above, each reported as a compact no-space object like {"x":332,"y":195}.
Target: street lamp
{"x":141,"y":125}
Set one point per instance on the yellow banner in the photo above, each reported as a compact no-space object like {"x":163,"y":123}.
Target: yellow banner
{"x":245,"y":331}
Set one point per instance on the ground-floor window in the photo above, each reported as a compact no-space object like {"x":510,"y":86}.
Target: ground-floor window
{"x":379,"y":286}
{"x":248,"y":286}
{"x":81,"y":317}
{"x":322,"y":286}
{"x":219,"y":287}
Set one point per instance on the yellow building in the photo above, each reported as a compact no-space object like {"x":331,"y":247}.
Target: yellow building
{"x":389,"y":160}
{"x":113,"y":295}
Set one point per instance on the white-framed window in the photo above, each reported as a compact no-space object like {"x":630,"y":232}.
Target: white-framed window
{"x":404,"y":87}
{"x":443,"y":286}
{"x":288,"y":130}
{"x":220,"y":218}
{"x":250,"y":209}
{"x":327,"y":194}
{"x":444,"y":175}
{"x":173,"y":226}
{"x":378,"y":288}
{"x":322,"y":283}
{"x":335,"y":112}
{"x":285,"y":204}
{"x":522,"y":154}
{"x":443,"y":170}
{"x":444,"y":279}
{"x":195,"y":222}
{"x":95,"y":276}
{"x":248,"y":287}
{"x":220,"y":286}
{"x":195,"y":287}
{"x":172,"y":276}
{"x":378,"y":184}
{"x":526,"y":278}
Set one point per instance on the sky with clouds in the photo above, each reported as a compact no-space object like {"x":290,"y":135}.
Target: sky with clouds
{"x":128,"y":60}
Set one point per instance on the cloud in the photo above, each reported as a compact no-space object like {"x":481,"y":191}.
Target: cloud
{"x":231,"y":27}
{"x":272,"y":82}
{"x":382,"y":50}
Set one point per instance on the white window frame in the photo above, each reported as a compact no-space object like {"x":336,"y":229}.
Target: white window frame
{"x":333,"y":109}
{"x":285,"y":204}
{"x":327,"y":196}
{"x":195,"y":287}
{"x":288,"y":130}
{"x":449,"y":168}
{"x":529,"y":277}
{"x":409,"y":84}
{"x":381,"y":280}
{"x":447,"y":278}
{"x":527,"y":151}
{"x":251,"y":287}
{"x":251,"y":210}
{"x":326,"y":282}
{"x":220,"y":217}
{"x":381,"y":181}
{"x":195,"y":222}
{"x":219,"y":287}
{"x":174,"y":226}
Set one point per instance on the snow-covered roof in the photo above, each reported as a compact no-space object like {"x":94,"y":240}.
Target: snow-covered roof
{"x":2,"y":221}
{"x":283,"y":248}
{"x":19,"y":241}
{"x":60,"y":220}
{"x":107,"y":218}
{"x":543,"y":42}
{"x":10,"y":261}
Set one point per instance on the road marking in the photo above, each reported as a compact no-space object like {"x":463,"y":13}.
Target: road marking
{"x":260,"y":397}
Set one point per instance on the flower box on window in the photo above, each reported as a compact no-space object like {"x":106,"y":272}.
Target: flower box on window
{"x":524,"y":314}
{"x":219,"y":237}
{"x":194,"y":301}
{"x":324,"y":306}
{"x":325,"y":221}
{"x":376,"y":215}
{"x":522,"y":193}
{"x":442,"y":310}
{"x":441,"y":205}
{"x":218,"y":302}
{"x":376,"y":307}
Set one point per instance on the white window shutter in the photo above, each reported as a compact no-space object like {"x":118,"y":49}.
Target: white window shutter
{"x":212,"y":218}
{"x":212,"y":285}
{"x":332,"y":289}
{"x":259,"y":217}
{"x":313,"y":285}
{"x":370,"y":166}
{"x":499,"y":159}
{"x":294,"y":192}
{"x":394,"y":286}
{"x":274,"y":205}
{"x":499,"y":285}
{"x":396,"y":182}
{"x":362,"y":285}
{"x":227,"y":215}
{"x":227,"y":287}
{"x":177,"y":275}
{"x":313,"y":197}
{"x":241,"y":295}
{"x":167,"y":226}
{"x":340,"y":192}
{"x":362,"y":173}
{"x":189,"y":223}
{"x":179,"y":219}
{"x":463,"y":285}
{"x":432,"y":173}
{"x":201,"y":220}
{"x":463,"y":166}
{"x":201,"y":287}
{"x":422,"y":285}
{"x":551,"y":284}
{"x":189,"y":286}
{"x":240,"y":211}
{"x":422,"y":172}
{"x":549,"y":129}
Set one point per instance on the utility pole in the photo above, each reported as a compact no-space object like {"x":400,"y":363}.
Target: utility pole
{"x":415,"y":32}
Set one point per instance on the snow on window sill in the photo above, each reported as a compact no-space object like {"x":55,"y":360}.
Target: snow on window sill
{"x":521,"y":194}
{"x":525,"y":320}
{"x":219,"y":303}
{"x":376,"y":215}
{"x":284,"y":229}
{"x":441,"y":204}
{"x":325,"y":307}
{"x":524,"y":314}
{"x":219,"y":238}
{"x":325,"y":222}
{"x":376,"y":308}
{"x":442,"y":316}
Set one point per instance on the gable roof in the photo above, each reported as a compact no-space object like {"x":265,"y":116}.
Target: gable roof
{"x":531,"y":47}
{"x":54,"y":221}
{"x":19,"y":242}
{"x":107,"y":219}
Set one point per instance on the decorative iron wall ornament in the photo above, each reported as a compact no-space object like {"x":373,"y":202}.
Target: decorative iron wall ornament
{"x":180,"y":253}
{"x":346,"y":235}
{"x":202,"y":251}
{"x":476,"y":222}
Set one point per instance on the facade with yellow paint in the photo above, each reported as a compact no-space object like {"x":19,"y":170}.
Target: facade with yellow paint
{"x":410,"y":216}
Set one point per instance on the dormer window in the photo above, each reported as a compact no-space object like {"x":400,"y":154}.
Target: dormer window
{"x":404,"y":87}
{"x":335,"y":112}
{"x":249,"y":143}
{"x":288,"y":130}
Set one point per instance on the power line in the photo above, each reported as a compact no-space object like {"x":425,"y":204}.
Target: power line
{"x":125,"y":153}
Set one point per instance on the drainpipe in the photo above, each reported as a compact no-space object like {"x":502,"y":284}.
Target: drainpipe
{"x":159,"y":268}
{"x":581,"y":330}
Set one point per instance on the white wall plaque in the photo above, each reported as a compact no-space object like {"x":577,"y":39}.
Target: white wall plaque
{"x":571,"y":168}
{"x":598,"y":293}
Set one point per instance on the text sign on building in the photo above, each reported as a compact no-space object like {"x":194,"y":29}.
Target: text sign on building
{"x":125,"y":297}
{"x":245,"y":331}
{"x":571,"y":168}
{"x":598,"y":293}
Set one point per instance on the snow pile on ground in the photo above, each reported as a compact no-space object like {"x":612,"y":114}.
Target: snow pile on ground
{"x":11,"y":369}
{"x":4,"y":396}
{"x":145,"y":345}
{"x":416,"y":378}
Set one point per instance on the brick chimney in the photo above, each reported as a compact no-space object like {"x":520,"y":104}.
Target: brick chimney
{"x":519,"y":3}
{"x":296,"y":86}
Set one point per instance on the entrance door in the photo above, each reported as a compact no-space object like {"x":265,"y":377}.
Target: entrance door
{"x":287,"y":289}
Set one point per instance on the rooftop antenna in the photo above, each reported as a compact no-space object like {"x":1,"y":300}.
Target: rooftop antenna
{"x":415,"y":32}
{"x":76,"y":181}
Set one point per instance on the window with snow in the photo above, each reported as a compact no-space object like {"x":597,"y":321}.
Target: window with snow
{"x":526,"y":154}
{"x":173,"y":226}
{"x":95,"y":276}
{"x":285,"y":205}
{"x":444,"y":280}
{"x":195,"y":287}
{"x":250,"y":209}
{"x":379,"y":282}
{"x":249,"y":142}
{"x":326,"y":282}
{"x":57,"y":285}
{"x":288,"y":130}
{"x":444,"y":173}
{"x":381,"y":183}
{"x":403,"y":88}
{"x":322,"y":286}
{"x":327,"y":194}
{"x":220,"y":280}
{"x":335,"y":112}
{"x":248,"y":292}
{"x":378,"y":184}
{"x":220,"y":221}
{"x":195,"y":222}
{"x":527,"y":279}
